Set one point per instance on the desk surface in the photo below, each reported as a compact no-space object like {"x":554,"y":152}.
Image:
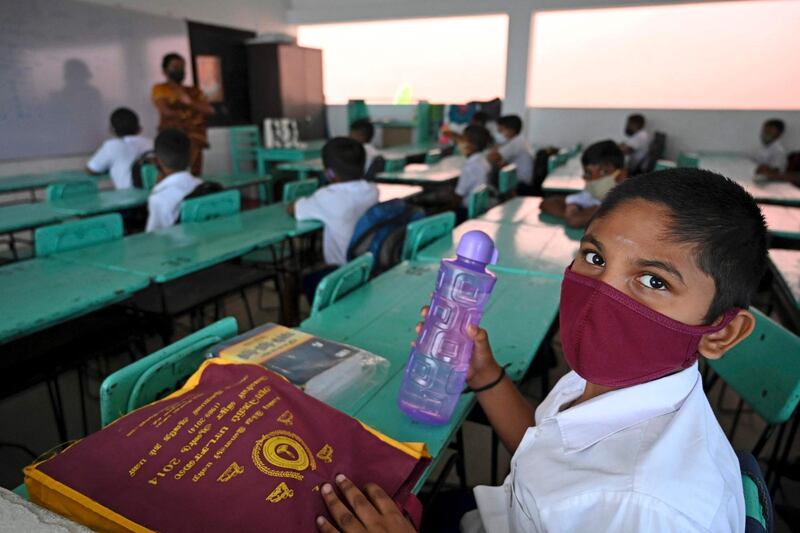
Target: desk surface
{"x":380,"y":317}
{"x":782,"y":221}
{"x":26,"y":216}
{"x":40,"y":292}
{"x":526,"y":210}
{"x":448,"y":169}
{"x":40,"y":180}
{"x":391,"y":152}
{"x":394,"y":191}
{"x":523,"y":249}
{"x":237,"y":181}
{"x":102,"y":202}
{"x":742,"y":170}
{"x":787,"y":264}
{"x":305,"y":150}
{"x":567,"y":178}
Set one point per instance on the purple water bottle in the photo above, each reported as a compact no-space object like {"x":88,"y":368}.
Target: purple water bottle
{"x":437,"y":366}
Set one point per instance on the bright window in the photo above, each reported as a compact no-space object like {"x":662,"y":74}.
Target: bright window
{"x":443,"y":60}
{"x":719,"y":55}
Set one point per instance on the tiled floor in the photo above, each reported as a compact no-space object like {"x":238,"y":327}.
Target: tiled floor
{"x":27,"y":419}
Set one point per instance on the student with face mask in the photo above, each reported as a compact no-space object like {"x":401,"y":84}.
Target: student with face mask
{"x":603,"y":168}
{"x":513,"y":148}
{"x":771,"y":157}
{"x":182,"y":108}
{"x":636,"y":142}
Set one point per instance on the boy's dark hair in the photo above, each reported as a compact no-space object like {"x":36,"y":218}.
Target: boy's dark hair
{"x":173,"y":149}
{"x":477,"y":136}
{"x":603,"y":152}
{"x":364,"y":127}
{"x":512,"y":122}
{"x":346,"y":157}
{"x":776,"y":123}
{"x":636,"y":120}
{"x":718,"y":217}
{"x":124,"y":122}
{"x":479,"y":118}
{"x":169,"y":57}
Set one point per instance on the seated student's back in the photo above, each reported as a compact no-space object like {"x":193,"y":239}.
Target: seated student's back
{"x":117,"y":155}
{"x":476,"y":169}
{"x":173,"y":154}
{"x":340,"y":204}
{"x":513,"y":148}
{"x":362,"y":130}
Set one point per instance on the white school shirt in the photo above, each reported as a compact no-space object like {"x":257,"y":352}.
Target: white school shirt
{"x":474,"y":173}
{"x":647,"y":458}
{"x":640,"y":143}
{"x":116,"y":156}
{"x":338,"y":206}
{"x":773,"y":155}
{"x":164,"y":203}
{"x":517,"y":151}
{"x":372,"y":153}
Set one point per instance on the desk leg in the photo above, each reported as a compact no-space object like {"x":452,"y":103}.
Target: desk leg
{"x":288,"y":292}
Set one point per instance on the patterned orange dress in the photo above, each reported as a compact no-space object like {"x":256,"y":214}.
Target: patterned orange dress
{"x":185,"y":118}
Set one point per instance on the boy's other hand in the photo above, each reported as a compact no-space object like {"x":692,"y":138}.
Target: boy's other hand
{"x":184,"y":98}
{"x":375,"y":512}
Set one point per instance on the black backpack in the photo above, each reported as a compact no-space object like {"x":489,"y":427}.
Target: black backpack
{"x":147,"y":158}
{"x":381,"y":230}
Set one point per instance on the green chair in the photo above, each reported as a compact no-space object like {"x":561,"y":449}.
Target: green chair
{"x":423,"y":122}
{"x":356,"y":110}
{"x":688,"y":160}
{"x":342,"y":282}
{"x":210,"y":206}
{"x":757,"y":501}
{"x":663,"y":164}
{"x":297,"y":189}
{"x":394,"y":165}
{"x":433,"y":156}
{"x":246,"y":147}
{"x":71,"y":189}
{"x":764,"y":370}
{"x":149,"y":176}
{"x":478,"y":202}
{"x":49,"y":240}
{"x":421,"y":233}
{"x":160,"y":373}
{"x":507,"y":180}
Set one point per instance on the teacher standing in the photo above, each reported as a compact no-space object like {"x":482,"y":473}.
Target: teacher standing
{"x":183,"y":108}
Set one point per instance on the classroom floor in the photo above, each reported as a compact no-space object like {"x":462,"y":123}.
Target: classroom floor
{"x":36,"y":430}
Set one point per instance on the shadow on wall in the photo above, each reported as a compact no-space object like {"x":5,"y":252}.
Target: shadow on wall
{"x":78,"y":105}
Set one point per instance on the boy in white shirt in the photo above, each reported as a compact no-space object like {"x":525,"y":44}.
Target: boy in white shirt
{"x":603,"y":168}
{"x":513,"y":149}
{"x":636,"y":142}
{"x":627,"y":441}
{"x":771,"y":158}
{"x":362,"y":130}
{"x":117,"y":155}
{"x":475,"y":172}
{"x":338,"y":206}
{"x":173,"y":153}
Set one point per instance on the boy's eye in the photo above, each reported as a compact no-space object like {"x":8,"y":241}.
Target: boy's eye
{"x":593,"y":258}
{"x":652,"y":282}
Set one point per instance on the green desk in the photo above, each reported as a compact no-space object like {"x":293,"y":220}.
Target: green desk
{"x":566,"y":179}
{"x":40,"y":180}
{"x":742,"y":170}
{"x":523,"y":249}
{"x":381,"y":316}
{"x":41,"y":292}
{"x":102,"y":202}
{"x":237,"y":181}
{"x":315,"y":166}
{"x":526,"y":210}
{"x":396,"y":191}
{"x":445,"y":171}
{"x":304,"y":168}
{"x":782,"y":221}
{"x":20,"y":217}
{"x":304,"y":150}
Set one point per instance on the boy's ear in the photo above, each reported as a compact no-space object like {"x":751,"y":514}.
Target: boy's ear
{"x":715,"y":345}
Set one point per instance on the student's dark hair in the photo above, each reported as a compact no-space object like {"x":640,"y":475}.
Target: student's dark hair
{"x":603,"y":152}
{"x":169,"y":57}
{"x":478,"y":136}
{"x":124,"y":122}
{"x":479,"y":118}
{"x":512,"y":122}
{"x":173,"y":149}
{"x":346,"y":157}
{"x":776,"y":123}
{"x":636,"y":119}
{"x":364,"y":127}
{"x":717,"y":216}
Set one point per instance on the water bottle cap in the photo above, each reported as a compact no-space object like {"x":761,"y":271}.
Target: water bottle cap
{"x":477,"y":246}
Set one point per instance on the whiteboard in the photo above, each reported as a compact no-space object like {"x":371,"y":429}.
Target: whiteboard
{"x":65,"y":65}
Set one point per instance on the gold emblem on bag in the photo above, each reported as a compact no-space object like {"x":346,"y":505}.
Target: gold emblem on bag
{"x":231,"y":472}
{"x":281,"y":492}
{"x":286,"y":452}
{"x":326,"y":453}
{"x":286,"y":417}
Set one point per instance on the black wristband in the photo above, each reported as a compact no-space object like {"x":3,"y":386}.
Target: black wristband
{"x":492,"y":384}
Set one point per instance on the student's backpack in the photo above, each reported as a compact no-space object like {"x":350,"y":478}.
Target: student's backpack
{"x":147,"y":158}
{"x":381,"y":230}
{"x":376,"y":167}
{"x":207,"y":187}
{"x":654,"y":152}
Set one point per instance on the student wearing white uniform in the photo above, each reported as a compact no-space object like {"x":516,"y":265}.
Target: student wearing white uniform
{"x":513,"y":149}
{"x":627,"y":441}
{"x":603,"y":168}
{"x":771,"y":158}
{"x":338,"y":206}
{"x":173,"y":153}
{"x":476,"y":169}
{"x":117,"y":155}
{"x":363,"y":131}
{"x":636,"y":142}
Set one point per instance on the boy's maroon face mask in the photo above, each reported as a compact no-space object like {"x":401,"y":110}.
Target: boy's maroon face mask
{"x":611,"y":339}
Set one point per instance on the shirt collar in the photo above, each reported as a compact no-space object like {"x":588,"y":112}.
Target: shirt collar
{"x":174,"y":179}
{"x":594,"y":420}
